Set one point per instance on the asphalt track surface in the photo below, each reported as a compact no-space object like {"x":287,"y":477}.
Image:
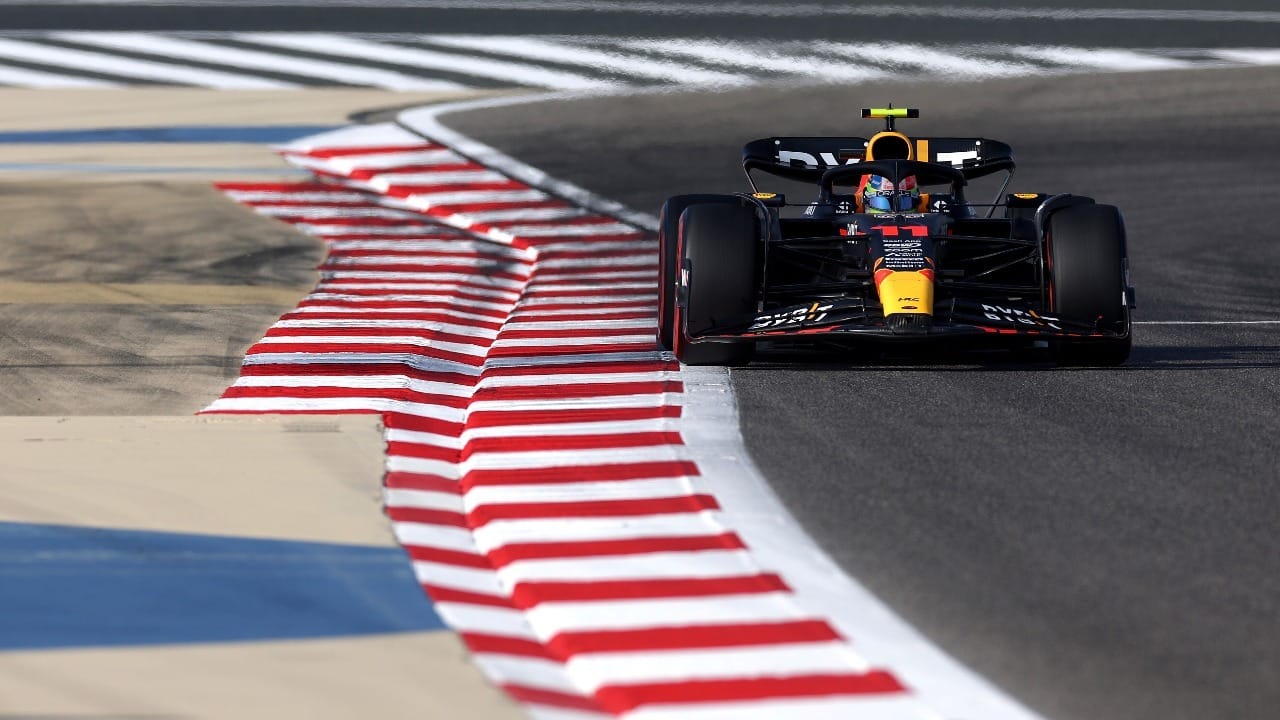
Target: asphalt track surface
{"x":1101,"y":543}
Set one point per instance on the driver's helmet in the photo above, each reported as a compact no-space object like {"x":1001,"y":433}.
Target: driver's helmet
{"x":880,"y":196}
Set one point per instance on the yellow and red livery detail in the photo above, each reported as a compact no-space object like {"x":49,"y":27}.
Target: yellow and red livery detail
{"x":904,"y":291}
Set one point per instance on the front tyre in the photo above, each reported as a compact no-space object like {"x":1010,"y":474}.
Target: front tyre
{"x":1085,"y":248}
{"x":719,"y":251}
{"x":668,"y":251}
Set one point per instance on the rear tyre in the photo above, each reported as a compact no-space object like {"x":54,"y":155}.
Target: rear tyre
{"x":1086,"y":252}
{"x":668,"y":251}
{"x":720,"y":248}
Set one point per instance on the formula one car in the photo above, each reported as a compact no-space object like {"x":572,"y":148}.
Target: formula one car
{"x":889,"y":263}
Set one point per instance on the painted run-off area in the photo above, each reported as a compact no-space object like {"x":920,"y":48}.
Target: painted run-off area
{"x":129,"y":290}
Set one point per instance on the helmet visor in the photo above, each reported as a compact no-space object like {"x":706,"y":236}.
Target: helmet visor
{"x":882,"y":201}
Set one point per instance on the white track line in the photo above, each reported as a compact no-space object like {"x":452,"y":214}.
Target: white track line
{"x":519,"y":73}
{"x":1249,"y":56}
{"x":128,"y":67}
{"x":427,"y":118}
{"x":933,"y":60}
{"x":1101,"y":59}
{"x":255,"y":60}
{"x":763,"y":57}
{"x":562,"y":52}
{"x":23,"y":77}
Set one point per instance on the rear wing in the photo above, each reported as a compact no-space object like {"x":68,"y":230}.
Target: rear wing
{"x":805,"y":159}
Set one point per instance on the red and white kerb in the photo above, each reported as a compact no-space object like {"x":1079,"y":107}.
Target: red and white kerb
{"x":536,"y":472}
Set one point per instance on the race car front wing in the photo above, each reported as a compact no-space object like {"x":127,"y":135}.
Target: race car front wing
{"x":955,"y":317}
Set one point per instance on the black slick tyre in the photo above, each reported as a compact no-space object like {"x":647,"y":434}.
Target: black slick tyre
{"x":668,"y":251}
{"x":1085,"y":249}
{"x":720,"y":251}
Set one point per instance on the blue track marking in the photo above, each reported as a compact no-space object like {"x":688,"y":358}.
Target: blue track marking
{"x":66,"y":586}
{"x":181,"y":134}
